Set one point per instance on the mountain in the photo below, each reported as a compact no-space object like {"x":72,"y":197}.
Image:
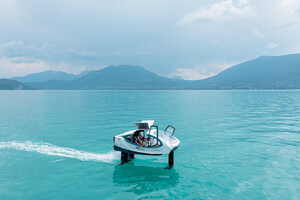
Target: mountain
{"x":7,"y":84}
{"x":127,"y":77}
{"x":49,"y":75}
{"x":265,"y":72}
{"x":116,"y":77}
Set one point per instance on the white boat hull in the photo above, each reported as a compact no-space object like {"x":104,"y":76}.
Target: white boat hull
{"x":168,"y":143}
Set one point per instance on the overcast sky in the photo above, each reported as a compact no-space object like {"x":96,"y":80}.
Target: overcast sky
{"x":191,"y":38}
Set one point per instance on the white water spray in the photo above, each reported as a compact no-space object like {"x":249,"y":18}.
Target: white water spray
{"x":50,"y":149}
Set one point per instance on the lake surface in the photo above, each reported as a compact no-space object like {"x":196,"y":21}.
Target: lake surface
{"x":234,"y":145}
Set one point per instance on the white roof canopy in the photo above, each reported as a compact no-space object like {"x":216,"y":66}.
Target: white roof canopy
{"x":145,"y":124}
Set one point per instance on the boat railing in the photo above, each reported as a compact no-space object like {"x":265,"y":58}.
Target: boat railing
{"x":170,"y":127}
{"x":156,"y":127}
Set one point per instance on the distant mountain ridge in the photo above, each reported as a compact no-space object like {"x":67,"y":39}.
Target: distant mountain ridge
{"x":7,"y":84}
{"x":265,"y":72}
{"x":49,"y":75}
{"x":115,"y":77}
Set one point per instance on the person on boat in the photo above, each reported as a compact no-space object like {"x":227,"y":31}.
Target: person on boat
{"x":139,"y":139}
{"x":135,"y":137}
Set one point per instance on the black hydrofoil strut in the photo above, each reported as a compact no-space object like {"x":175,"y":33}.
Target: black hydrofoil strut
{"x":171,"y":160}
{"x":125,"y":158}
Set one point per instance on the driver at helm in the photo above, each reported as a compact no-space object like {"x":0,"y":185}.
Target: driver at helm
{"x":139,"y":139}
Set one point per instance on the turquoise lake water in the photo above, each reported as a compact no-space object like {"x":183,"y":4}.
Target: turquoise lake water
{"x":234,"y":145}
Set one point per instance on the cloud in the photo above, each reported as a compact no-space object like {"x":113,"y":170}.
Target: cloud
{"x":189,"y":74}
{"x":202,"y":71}
{"x":18,"y":58}
{"x":44,"y":51}
{"x":286,"y":13}
{"x":222,"y":11}
{"x":87,"y":54}
{"x":205,"y":31}
{"x":83,"y":55}
{"x":17,"y":66}
{"x":255,"y":34}
{"x":20,"y":66}
{"x":271,"y":45}
{"x":19,"y":48}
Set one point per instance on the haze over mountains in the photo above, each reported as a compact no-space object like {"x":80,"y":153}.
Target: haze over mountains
{"x":265,"y":72}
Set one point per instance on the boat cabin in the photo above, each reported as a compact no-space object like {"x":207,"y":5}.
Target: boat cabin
{"x":144,"y":128}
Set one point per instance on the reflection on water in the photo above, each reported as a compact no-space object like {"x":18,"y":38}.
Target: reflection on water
{"x":144,"y":179}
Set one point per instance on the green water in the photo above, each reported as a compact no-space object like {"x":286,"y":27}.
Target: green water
{"x":234,"y":145}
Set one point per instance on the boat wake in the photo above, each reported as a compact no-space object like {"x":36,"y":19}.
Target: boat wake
{"x":50,"y":149}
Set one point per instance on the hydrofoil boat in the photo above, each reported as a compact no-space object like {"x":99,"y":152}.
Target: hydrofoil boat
{"x":155,"y":142}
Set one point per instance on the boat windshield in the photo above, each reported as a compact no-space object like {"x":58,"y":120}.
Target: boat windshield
{"x":164,"y":135}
